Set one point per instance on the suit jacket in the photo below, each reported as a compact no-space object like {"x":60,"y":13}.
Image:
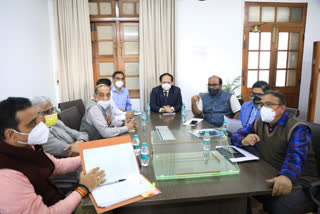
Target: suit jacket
{"x":157,"y":98}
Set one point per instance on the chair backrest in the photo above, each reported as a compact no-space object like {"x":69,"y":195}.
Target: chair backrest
{"x":78,"y":103}
{"x":313,"y":163}
{"x":293,"y":111}
{"x":71,"y":117}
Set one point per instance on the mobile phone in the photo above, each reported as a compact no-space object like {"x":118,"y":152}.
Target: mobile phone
{"x":227,"y":154}
{"x":193,"y":122}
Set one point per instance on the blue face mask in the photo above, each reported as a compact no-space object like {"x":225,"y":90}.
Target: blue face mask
{"x":213,"y":91}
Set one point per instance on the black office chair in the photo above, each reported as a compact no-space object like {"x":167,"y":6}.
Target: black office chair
{"x":71,"y":117}
{"x":78,"y":103}
{"x":311,"y":186}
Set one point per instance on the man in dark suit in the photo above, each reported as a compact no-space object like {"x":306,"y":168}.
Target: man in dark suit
{"x":166,"y":97}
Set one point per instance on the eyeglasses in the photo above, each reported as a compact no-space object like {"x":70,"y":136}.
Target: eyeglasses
{"x":268,"y":105}
{"x":47,"y":112}
{"x":213,"y":85}
{"x":256,"y":94}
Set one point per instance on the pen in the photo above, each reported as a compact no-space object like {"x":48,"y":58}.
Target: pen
{"x":113,"y":182}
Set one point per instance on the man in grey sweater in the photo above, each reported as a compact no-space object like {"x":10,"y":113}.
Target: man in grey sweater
{"x":99,"y":120}
{"x":63,"y":141}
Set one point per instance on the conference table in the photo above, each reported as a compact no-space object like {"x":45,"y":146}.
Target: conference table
{"x":218,"y":194}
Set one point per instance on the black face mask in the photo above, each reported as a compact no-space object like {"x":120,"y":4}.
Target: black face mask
{"x":213,"y":91}
{"x":256,"y":100}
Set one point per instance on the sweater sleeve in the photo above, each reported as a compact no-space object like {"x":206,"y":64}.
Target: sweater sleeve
{"x":65,"y":165}
{"x":20,"y":196}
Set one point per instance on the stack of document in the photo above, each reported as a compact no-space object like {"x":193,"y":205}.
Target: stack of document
{"x":119,"y":163}
{"x":110,"y":194}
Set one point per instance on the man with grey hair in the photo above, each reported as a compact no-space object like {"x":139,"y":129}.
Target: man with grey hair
{"x":215,"y":104}
{"x":63,"y":141}
{"x":99,"y":120}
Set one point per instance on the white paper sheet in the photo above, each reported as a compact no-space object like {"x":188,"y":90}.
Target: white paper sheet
{"x":233,"y":125}
{"x":109,"y":195}
{"x":118,"y":161}
{"x":247,"y":156}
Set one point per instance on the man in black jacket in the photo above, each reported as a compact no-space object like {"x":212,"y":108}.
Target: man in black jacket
{"x":166,"y":97}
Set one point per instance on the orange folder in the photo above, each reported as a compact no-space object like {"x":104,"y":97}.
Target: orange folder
{"x":103,"y":143}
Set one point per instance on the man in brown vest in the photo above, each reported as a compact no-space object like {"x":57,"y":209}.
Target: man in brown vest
{"x":282,"y":141}
{"x":25,"y":168}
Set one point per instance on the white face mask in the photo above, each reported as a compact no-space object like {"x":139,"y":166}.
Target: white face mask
{"x":166,"y":86}
{"x":38,"y":135}
{"x":104,"y":103}
{"x":267,"y":114}
{"x":119,"y":84}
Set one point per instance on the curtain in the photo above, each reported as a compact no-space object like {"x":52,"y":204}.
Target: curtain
{"x":74,"y":49}
{"x":157,"y":44}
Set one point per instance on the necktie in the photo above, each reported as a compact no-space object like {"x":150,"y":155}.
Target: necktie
{"x":108,"y":118}
{"x":165,"y":100}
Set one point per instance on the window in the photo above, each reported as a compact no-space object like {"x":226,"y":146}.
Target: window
{"x":115,"y":40}
{"x":273,"y":46}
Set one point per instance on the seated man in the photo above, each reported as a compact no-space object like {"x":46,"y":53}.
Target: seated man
{"x":25,"y":168}
{"x":282,"y":141}
{"x":62,"y":141}
{"x":216,"y":104}
{"x":166,"y":97}
{"x":250,"y":111}
{"x":120,"y":95}
{"x":99,"y":121}
{"x":119,"y":115}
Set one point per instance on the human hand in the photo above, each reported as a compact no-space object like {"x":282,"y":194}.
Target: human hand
{"x":92,"y":179}
{"x":129,"y":115}
{"x":195,"y":98}
{"x":121,"y":109}
{"x":282,"y":185}
{"x":167,"y":109}
{"x":250,"y":140}
{"x":74,"y":148}
{"x":130,"y":124}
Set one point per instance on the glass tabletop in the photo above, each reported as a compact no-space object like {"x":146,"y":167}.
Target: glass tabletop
{"x":185,"y":156}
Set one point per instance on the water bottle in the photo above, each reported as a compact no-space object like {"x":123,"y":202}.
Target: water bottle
{"x":206,"y":141}
{"x":136,"y":144}
{"x":225,"y":128}
{"x":148,"y":109}
{"x":144,"y":154}
{"x":183,"y":114}
{"x":143,"y":119}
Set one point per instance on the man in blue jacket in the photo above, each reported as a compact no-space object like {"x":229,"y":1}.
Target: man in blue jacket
{"x":166,"y":97}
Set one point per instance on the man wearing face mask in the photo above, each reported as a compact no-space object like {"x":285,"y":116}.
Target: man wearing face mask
{"x":166,"y":98}
{"x":282,"y":141}
{"x":99,"y":120}
{"x":120,"y":95}
{"x":250,"y":111}
{"x":62,"y":141}
{"x":215,"y":104}
{"x":119,"y":115}
{"x":25,"y":169}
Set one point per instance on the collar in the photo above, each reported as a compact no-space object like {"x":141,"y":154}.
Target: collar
{"x":113,"y":89}
{"x":282,"y":122}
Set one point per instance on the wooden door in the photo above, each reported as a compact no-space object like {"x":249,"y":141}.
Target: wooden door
{"x":273,"y":53}
{"x":314,"y":81}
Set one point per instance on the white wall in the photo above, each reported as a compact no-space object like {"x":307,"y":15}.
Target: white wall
{"x":25,"y":50}
{"x":209,"y":41}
